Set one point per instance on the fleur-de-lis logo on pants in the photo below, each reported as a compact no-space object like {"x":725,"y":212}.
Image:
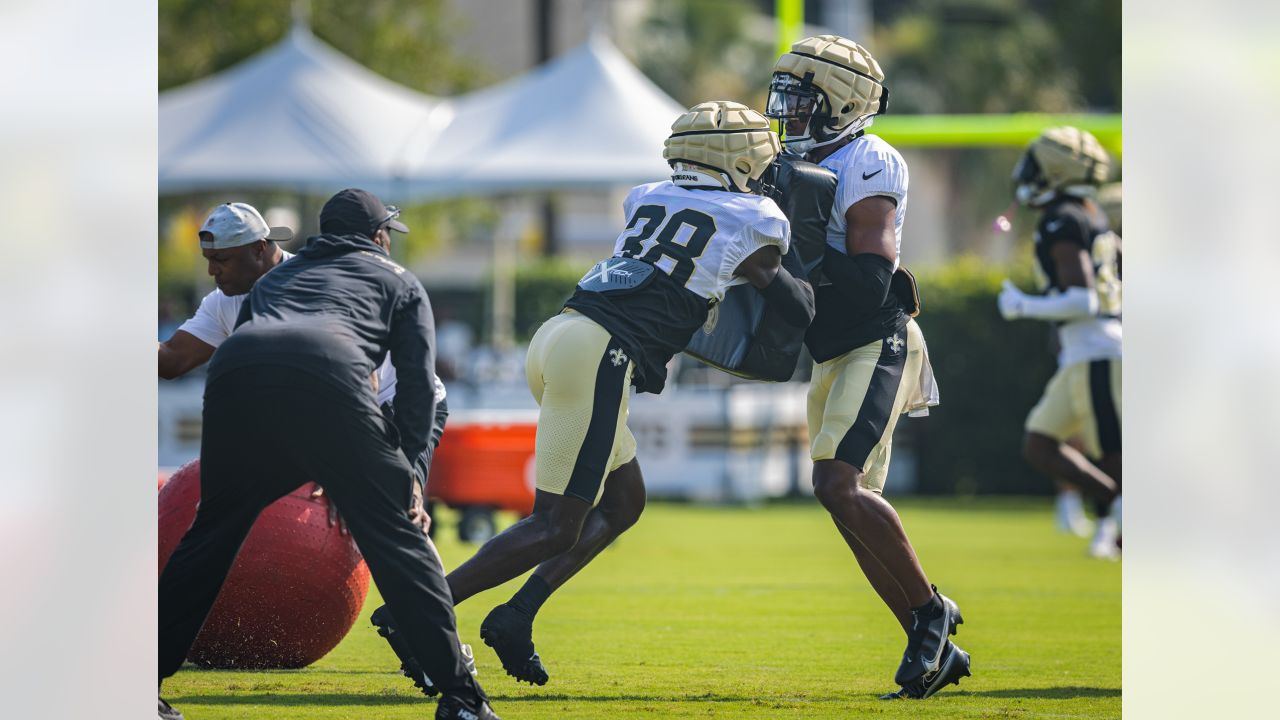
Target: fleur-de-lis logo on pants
{"x":618,"y":356}
{"x":894,"y":342}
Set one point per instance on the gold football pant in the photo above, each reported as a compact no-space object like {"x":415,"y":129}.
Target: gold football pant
{"x":855,"y":401}
{"x":1084,"y":399}
{"x":579,"y":376}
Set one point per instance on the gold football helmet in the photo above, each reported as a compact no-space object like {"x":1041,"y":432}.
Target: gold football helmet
{"x":1063,"y":160}
{"x":829,"y":85}
{"x":724,"y":140}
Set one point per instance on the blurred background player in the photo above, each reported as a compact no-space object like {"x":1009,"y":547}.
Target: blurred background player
{"x":1068,"y":507}
{"x":871,"y":364}
{"x":686,"y":241}
{"x":240,"y":248}
{"x":1078,"y":269}
{"x":308,"y":338}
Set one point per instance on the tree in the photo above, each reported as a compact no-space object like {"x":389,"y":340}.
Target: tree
{"x":986,"y":56}
{"x":408,"y":41}
{"x":697,"y":50}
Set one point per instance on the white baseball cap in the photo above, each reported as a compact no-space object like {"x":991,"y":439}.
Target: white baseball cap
{"x":235,"y":224}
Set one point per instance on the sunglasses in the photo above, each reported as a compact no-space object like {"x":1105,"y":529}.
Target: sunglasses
{"x":393,"y":212}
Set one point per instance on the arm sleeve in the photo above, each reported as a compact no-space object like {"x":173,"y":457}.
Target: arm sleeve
{"x":214,"y":319}
{"x":412,"y":346}
{"x":862,"y":279}
{"x":1072,"y":304}
{"x":792,"y":297}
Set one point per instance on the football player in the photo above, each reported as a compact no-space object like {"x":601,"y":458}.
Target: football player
{"x":1078,"y":262}
{"x":870,"y":361}
{"x":686,"y":241}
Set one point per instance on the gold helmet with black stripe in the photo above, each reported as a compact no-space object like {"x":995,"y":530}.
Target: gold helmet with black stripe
{"x":1062,"y":161}
{"x":826,"y":88}
{"x":721,"y":141}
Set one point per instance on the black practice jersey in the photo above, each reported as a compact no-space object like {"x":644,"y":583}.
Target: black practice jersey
{"x":1067,"y":219}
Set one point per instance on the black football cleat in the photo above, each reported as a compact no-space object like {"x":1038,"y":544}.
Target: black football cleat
{"x":167,"y":711}
{"x":954,"y":665}
{"x":452,"y":708}
{"x":926,"y":642}
{"x":510,"y":633}
{"x":385,"y":623}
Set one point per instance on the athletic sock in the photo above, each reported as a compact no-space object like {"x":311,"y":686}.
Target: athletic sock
{"x":529,"y":598}
{"x":1102,"y":507}
{"x":931,"y":609}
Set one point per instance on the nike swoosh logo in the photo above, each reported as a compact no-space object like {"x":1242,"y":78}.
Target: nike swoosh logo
{"x":868,"y":177}
{"x":1053,"y":226}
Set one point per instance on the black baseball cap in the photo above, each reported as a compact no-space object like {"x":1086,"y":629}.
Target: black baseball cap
{"x":355,"y":211}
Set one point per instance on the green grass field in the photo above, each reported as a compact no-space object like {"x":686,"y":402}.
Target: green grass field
{"x":753,"y":613}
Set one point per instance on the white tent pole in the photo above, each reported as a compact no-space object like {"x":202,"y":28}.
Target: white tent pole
{"x":300,"y":10}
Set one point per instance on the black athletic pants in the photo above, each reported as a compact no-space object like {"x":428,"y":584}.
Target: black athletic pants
{"x":267,"y":430}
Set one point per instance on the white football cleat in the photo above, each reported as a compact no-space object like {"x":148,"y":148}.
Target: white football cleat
{"x":1103,"y":545}
{"x":1069,"y":514}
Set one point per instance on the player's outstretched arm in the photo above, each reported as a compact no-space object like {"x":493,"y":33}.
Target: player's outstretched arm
{"x":1077,"y":296}
{"x":181,"y":354}
{"x":792,"y":296}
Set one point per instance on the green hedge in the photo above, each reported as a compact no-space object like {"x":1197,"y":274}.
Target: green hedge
{"x":541,"y":289}
{"x":990,"y":372}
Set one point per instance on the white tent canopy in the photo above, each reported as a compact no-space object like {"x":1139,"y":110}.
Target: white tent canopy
{"x":299,"y":116}
{"x":587,"y":119}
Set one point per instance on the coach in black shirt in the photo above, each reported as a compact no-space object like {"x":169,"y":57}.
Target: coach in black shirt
{"x":289,"y":400}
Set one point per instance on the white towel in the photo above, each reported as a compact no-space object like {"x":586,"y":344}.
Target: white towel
{"x":926,"y":394}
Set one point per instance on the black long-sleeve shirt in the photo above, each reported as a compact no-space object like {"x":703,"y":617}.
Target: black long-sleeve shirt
{"x":333,"y":312}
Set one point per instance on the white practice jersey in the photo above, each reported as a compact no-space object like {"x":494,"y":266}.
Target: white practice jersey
{"x":866,"y":167}
{"x":699,"y":237}
{"x":216,"y":318}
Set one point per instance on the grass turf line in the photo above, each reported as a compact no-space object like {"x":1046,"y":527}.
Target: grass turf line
{"x":752,"y":613}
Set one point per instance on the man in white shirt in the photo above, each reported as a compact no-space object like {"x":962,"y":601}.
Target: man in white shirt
{"x":240,"y":248}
